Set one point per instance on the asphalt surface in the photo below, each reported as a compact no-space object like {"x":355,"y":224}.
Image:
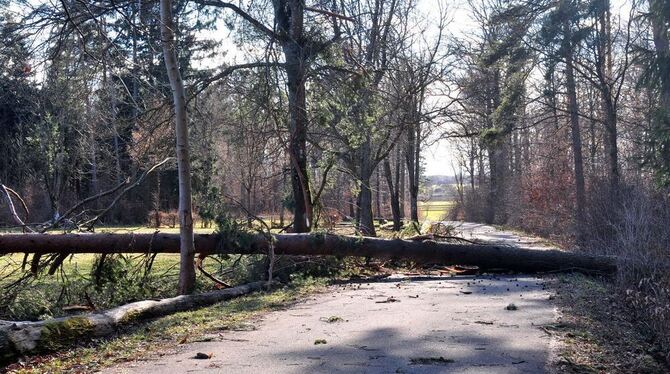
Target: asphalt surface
{"x":460,"y":324}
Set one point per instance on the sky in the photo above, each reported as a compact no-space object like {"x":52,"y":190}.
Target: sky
{"x":439,"y":156}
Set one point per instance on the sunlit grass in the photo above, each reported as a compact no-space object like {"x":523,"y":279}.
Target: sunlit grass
{"x":435,"y":210}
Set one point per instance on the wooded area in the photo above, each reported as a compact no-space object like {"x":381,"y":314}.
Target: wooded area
{"x":264,"y":118}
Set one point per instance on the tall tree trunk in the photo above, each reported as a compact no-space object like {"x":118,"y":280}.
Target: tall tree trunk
{"x":659,"y":23}
{"x":187,"y":246}
{"x":573,"y":108}
{"x":490,"y":212}
{"x":365,"y":172}
{"x":358,"y":209}
{"x":608,"y":104}
{"x":611,"y":146}
{"x":412,"y":161}
{"x":400,"y":179}
{"x":366,"y":224}
{"x":414,"y":186}
{"x":157,"y":200}
{"x":378,"y":201}
{"x":395,"y":202}
{"x":289,"y":19}
{"x":499,"y":163}
{"x":472,"y":156}
{"x":281,"y":202}
{"x":94,"y":161}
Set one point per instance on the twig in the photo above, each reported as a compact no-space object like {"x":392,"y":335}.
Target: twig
{"x":16,"y":194}
{"x":89,"y":224}
{"x":267,"y":233}
{"x":198,"y":264}
{"x":329,"y":13}
{"x":455,"y":238}
{"x":8,"y":193}
{"x":57,"y":262}
{"x":84,"y":202}
{"x":437,"y":236}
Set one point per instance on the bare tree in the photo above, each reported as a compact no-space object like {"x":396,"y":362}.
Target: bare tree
{"x":187,"y":245}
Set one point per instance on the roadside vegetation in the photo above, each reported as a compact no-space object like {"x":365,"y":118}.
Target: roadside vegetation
{"x":160,"y":336}
{"x":598,"y":333}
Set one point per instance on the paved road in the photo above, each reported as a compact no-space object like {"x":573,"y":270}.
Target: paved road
{"x":490,"y":234}
{"x":398,"y":325}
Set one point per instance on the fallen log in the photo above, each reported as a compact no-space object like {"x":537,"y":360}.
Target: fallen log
{"x":21,"y":338}
{"x":486,"y":257}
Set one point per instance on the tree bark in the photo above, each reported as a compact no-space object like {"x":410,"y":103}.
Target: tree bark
{"x":486,"y":257}
{"x":608,"y":101}
{"x":395,"y":201}
{"x":21,"y":338}
{"x":187,"y":264}
{"x":366,"y":224}
{"x":412,"y":160}
{"x":289,"y":19}
{"x":363,"y":171}
{"x":573,"y":108}
{"x":378,"y":202}
{"x":496,"y":199}
{"x":400,"y":177}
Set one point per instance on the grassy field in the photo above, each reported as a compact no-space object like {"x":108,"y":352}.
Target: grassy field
{"x":435,"y":210}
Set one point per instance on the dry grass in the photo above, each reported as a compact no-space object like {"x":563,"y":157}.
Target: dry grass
{"x":598,"y":333}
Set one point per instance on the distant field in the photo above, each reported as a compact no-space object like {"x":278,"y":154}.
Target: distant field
{"x":434,"y":210}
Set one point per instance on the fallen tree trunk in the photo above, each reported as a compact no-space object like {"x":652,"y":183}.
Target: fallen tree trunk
{"x":21,"y":338}
{"x":486,"y":257}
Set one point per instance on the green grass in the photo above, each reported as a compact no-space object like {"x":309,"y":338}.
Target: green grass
{"x":123,"y":280}
{"x":435,"y":210}
{"x":143,"y":340}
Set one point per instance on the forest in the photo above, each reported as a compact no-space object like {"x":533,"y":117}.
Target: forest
{"x":211,"y":149}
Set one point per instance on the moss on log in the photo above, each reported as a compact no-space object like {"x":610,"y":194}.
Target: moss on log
{"x":22,"y":338}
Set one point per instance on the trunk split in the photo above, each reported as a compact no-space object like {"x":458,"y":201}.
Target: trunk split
{"x":21,"y":338}
{"x":486,"y":257}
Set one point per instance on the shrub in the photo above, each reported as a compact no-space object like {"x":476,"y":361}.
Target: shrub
{"x":636,"y":231}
